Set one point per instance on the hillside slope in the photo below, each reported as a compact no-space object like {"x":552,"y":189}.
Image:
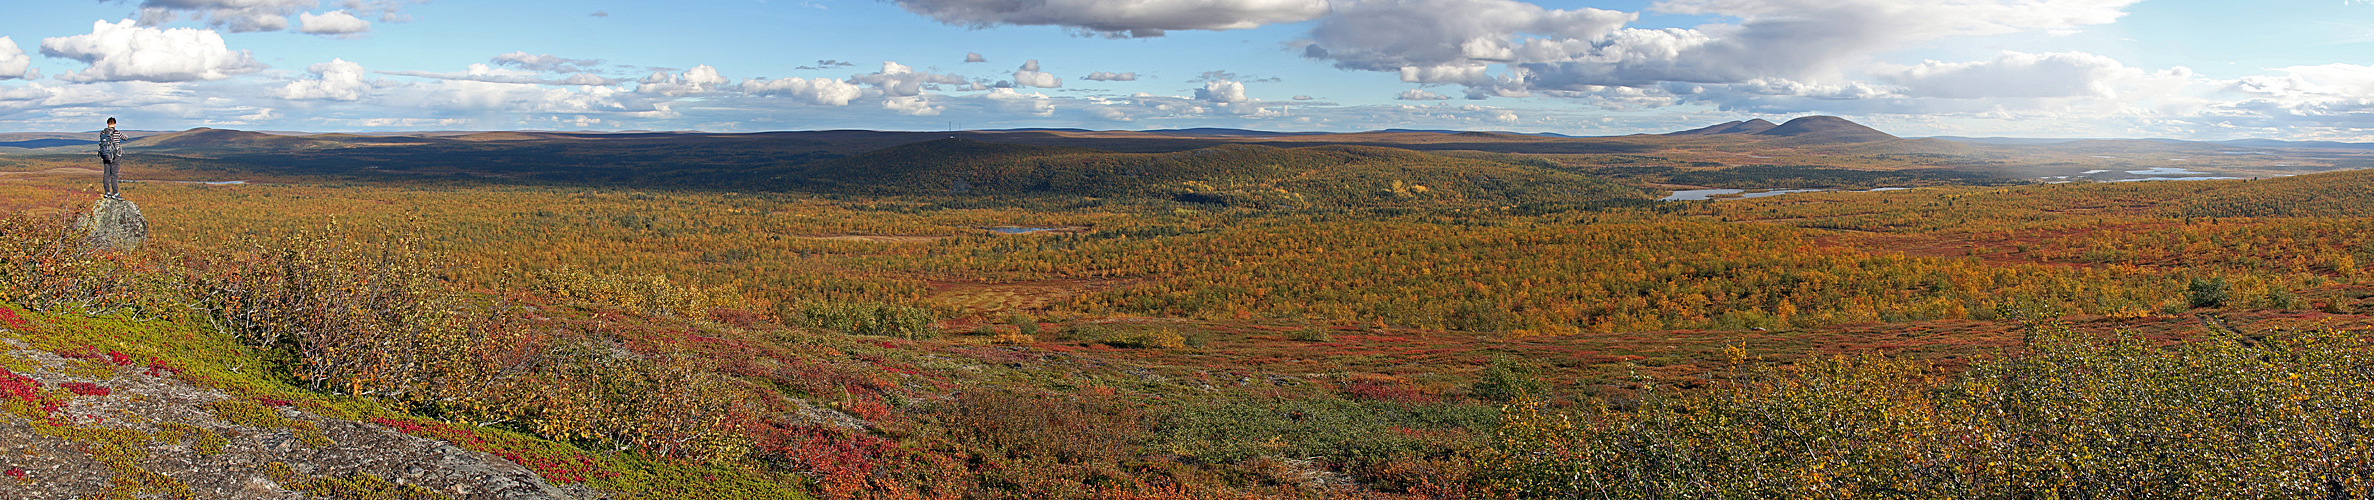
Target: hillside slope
{"x":2347,"y":193}
{"x":209,"y":138}
{"x":1341,"y":176}
{"x":1753,"y":126}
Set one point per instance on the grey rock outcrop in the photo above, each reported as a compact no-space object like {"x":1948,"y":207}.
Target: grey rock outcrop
{"x":160,"y":423}
{"x":115,"y":224}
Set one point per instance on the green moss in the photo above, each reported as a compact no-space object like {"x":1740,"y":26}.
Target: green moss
{"x":563,"y":463}
{"x":16,"y":364}
{"x":89,"y":369}
{"x":206,"y":441}
{"x":121,"y":450}
{"x":356,"y":486}
{"x":656,"y":480}
{"x":252,"y":414}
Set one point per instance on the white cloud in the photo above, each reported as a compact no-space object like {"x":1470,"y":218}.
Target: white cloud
{"x":911,"y":106}
{"x":1217,"y":98}
{"x":1921,"y":20}
{"x":1454,"y":41}
{"x":1115,"y":18}
{"x":547,"y":63}
{"x":1501,"y":116}
{"x":333,"y":23}
{"x":974,"y":57}
{"x":2329,"y":95}
{"x":898,"y":80}
{"x":699,"y":79}
{"x":1420,"y":95}
{"x":1030,"y":76}
{"x":2015,"y":74}
{"x":14,"y":64}
{"x":481,"y":97}
{"x":244,"y":16}
{"x":1101,"y":76}
{"x":144,"y":105}
{"x":1222,"y":91}
{"x":475,"y":97}
{"x":1111,"y":113}
{"x":389,"y":11}
{"x":820,"y":91}
{"x":260,"y":115}
{"x":1009,"y":101}
{"x":122,"y":51}
{"x":490,"y":74}
{"x":2311,"y":82}
{"x":239,"y":16}
{"x":1387,"y":35}
{"x":26,"y":93}
{"x":585,"y":79}
{"x":336,"y":80}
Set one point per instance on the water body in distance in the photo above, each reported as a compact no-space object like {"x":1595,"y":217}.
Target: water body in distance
{"x":1704,"y":194}
{"x":2166,"y":171}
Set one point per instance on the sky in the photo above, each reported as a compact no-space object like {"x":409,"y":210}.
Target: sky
{"x":2186,"y":69}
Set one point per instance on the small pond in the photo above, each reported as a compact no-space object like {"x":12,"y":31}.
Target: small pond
{"x":1710,"y":194}
{"x":210,"y":183}
{"x":1018,"y":230}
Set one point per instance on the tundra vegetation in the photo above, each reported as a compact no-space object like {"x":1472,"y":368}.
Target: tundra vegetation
{"x":1256,"y":321}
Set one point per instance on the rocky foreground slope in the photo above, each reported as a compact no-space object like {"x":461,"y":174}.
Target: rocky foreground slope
{"x":112,"y":426}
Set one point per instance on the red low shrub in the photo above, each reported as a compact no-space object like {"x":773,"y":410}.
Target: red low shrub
{"x":20,"y":386}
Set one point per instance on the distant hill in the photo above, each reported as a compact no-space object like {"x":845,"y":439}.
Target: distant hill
{"x":2243,"y":143}
{"x":940,"y":159}
{"x":34,"y":140}
{"x":512,"y":136}
{"x":1927,"y":146}
{"x":1236,"y":174}
{"x":210,"y":138}
{"x":2001,"y":141}
{"x":2270,"y":143}
{"x":1224,"y":132}
{"x":1802,"y":131}
{"x":1816,"y":130}
{"x":1753,"y":126}
{"x":45,"y":143}
{"x":1455,"y":132}
{"x":2123,"y":147}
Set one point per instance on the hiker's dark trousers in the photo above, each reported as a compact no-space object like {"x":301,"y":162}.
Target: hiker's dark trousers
{"x":108,"y":174}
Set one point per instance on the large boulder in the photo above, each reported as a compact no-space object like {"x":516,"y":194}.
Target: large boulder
{"x":115,"y":224}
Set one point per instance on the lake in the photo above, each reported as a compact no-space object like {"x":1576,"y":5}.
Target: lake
{"x":1708,"y":194}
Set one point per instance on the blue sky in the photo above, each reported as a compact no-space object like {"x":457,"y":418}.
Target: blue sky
{"x":2285,"y":69}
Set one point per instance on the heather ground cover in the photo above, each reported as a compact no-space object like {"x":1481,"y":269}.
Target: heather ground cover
{"x":711,"y":344}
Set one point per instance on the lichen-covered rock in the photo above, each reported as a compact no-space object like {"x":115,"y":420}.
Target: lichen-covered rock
{"x":150,"y":434}
{"x":115,"y":224}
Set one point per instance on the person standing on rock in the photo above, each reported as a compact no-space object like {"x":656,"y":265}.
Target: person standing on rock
{"x":111,"y":150}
